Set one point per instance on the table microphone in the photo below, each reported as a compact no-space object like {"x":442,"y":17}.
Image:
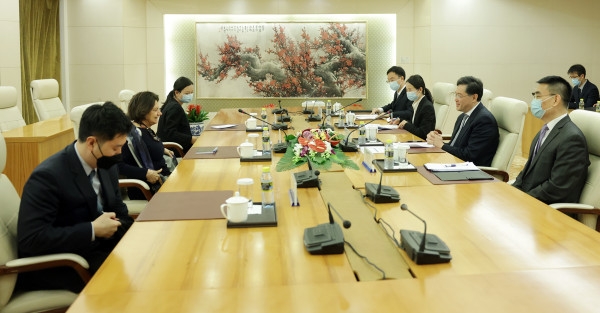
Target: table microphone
{"x":306,"y":110}
{"x":423,"y":248}
{"x":378,"y":193}
{"x":312,"y":117}
{"x":323,"y":126}
{"x":326,"y":238}
{"x":279,"y":147}
{"x":349,"y":146}
{"x":280,"y":110}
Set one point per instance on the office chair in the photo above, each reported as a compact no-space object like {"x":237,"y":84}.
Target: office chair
{"x":44,"y":93}
{"x":12,"y":300}
{"x":10,"y":116}
{"x":588,"y":207}
{"x":510,"y":116}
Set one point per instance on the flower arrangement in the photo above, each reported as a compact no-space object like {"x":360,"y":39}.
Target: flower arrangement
{"x":316,"y":146}
{"x":196,"y":114}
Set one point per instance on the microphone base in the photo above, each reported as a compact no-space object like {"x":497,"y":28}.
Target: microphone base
{"x":278,"y":126}
{"x":308,"y":112}
{"x":314,"y":118}
{"x":307,"y":179}
{"x":325,"y":126}
{"x":278,"y":111}
{"x":284,"y":119}
{"x":435,"y":252}
{"x":280,"y":147}
{"x":324,"y":239}
{"x":387,"y":194}
{"x":349,"y":146}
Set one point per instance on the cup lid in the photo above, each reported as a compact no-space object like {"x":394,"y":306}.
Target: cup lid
{"x":246,"y":144}
{"x":245,"y":181}
{"x":237,"y":199}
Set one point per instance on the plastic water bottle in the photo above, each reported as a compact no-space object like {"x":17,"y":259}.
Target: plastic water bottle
{"x":598,"y":106}
{"x":266,"y":141}
{"x":342,"y":119}
{"x":263,"y":115}
{"x":581,"y":104}
{"x":266,"y":183}
{"x":388,"y":159}
{"x":328,"y":113}
{"x":362,"y":134}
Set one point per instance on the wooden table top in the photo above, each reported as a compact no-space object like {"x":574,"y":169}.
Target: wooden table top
{"x":40,"y":131}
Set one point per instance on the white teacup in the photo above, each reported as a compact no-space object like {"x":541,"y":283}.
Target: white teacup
{"x":246,"y":149}
{"x":400,"y":151}
{"x":250,"y":123}
{"x":350,"y":118}
{"x":237,"y":208}
{"x":371,"y":132}
{"x":336,"y":108}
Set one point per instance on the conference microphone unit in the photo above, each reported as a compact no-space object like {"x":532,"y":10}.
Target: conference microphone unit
{"x":326,"y":238}
{"x":312,"y":117}
{"x":307,"y":179}
{"x":323,"y":126}
{"x":280,"y":110}
{"x":306,"y":110}
{"x":379,"y":193}
{"x":349,"y":146}
{"x":279,"y":147}
{"x":423,"y":248}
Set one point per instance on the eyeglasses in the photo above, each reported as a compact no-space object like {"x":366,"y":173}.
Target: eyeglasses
{"x":538,"y":96}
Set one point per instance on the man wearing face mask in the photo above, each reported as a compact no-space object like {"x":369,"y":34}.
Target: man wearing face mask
{"x":558,"y":161}
{"x":71,"y":203}
{"x":582,"y":88}
{"x":401,"y":107}
{"x":173,"y":124}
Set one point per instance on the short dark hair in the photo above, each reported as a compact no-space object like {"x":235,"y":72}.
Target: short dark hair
{"x":418,"y":82}
{"x":104,"y":121}
{"x":559,"y":86}
{"x":179,"y":85}
{"x":397,"y":70}
{"x":577,"y":68}
{"x":140,"y":105}
{"x":474,"y":85}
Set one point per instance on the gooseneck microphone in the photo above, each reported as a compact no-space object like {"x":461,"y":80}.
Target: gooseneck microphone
{"x":349,"y":146}
{"x":312,"y":117}
{"x":423,"y":248}
{"x":323,"y":126}
{"x":279,"y":147}
{"x":280,"y":110}
{"x":345,"y":222}
{"x":326,"y":238}
{"x":378,"y":193}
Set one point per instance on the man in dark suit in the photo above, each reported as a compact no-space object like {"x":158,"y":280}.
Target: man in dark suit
{"x":71,"y":203}
{"x":582,"y":88}
{"x":401,"y":107}
{"x":558,"y":161}
{"x":475,"y":136}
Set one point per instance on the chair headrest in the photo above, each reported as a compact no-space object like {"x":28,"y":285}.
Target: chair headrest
{"x":44,"y":89}
{"x":589,"y":123}
{"x":509,"y":113}
{"x":487,"y":97}
{"x":126,"y":95}
{"x":77,"y":113}
{"x":8,"y":97}
{"x":2,"y":153}
{"x":442,"y":93}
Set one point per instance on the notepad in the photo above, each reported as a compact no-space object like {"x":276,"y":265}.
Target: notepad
{"x":451,"y":167}
{"x":464,"y":175}
{"x":223,"y":126}
{"x":206,"y":150}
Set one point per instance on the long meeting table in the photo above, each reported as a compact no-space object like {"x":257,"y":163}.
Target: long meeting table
{"x":510,"y":252}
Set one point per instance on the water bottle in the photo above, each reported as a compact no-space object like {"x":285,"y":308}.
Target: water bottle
{"x":263,"y":115}
{"x":342,"y":119}
{"x":266,"y":141}
{"x":328,"y":113}
{"x":266,"y":183}
{"x":362,"y":133}
{"x":598,"y":106}
{"x":388,"y":159}
{"x":581,"y":104}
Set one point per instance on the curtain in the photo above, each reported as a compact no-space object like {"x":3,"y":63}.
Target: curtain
{"x":40,"y":47}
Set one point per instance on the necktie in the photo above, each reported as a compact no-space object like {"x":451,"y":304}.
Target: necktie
{"x":462,"y":124}
{"x":141,"y":150}
{"x":96,"y":186}
{"x":540,"y":139}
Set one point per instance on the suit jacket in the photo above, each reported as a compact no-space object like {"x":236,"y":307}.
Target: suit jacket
{"x":173,"y":125}
{"x":589,"y":94}
{"x":59,"y":204}
{"x":478,"y":140}
{"x":424,"y":119}
{"x":401,"y":107}
{"x":558,"y":171}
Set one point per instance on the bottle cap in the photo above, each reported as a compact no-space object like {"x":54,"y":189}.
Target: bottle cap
{"x":266,"y":169}
{"x":265,"y":128}
{"x":389,"y":141}
{"x":362,"y":122}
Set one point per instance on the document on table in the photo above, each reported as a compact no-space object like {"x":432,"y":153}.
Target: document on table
{"x":386,"y":127}
{"x":366,"y":116}
{"x":418,"y":144}
{"x":224,"y":126}
{"x":451,"y":167}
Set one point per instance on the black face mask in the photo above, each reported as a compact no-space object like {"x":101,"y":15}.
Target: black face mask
{"x":105,"y":162}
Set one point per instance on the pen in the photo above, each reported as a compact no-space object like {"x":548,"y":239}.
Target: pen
{"x":450,"y":165}
{"x":215,"y":150}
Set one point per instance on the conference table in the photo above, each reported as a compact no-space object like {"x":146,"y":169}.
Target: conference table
{"x":510,"y":252}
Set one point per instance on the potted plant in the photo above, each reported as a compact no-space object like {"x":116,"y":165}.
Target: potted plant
{"x":196,"y":116}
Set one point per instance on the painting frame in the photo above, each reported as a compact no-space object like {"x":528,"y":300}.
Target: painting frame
{"x":308,"y":59}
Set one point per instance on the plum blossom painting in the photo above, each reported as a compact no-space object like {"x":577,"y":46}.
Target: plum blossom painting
{"x":281,"y":60}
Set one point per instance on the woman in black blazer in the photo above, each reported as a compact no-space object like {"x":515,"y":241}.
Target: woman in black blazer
{"x":423,"y":119}
{"x":173,"y":124}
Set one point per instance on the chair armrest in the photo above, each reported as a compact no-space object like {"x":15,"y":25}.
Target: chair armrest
{"x":78,"y":263}
{"x":174,"y":146}
{"x":498,"y":173}
{"x":136,"y":183}
{"x":576,"y":208}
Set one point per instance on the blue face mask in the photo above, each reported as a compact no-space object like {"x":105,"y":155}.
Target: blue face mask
{"x":394,"y":85}
{"x":187,"y":98}
{"x":411,"y":95}
{"x":536,"y":108}
{"x":575,"y":81}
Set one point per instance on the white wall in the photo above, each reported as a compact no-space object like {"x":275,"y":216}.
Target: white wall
{"x":10,"y":54}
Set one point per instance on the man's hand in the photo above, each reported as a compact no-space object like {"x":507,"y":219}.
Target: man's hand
{"x":153,"y":176}
{"x":106,"y":225}
{"x":434,"y":138}
{"x":376,"y":111}
{"x":401,"y":124}
{"x":169,"y":152}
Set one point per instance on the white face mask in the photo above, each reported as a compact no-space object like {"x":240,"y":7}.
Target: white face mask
{"x":411,"y":95}
{"x":187,"y":98}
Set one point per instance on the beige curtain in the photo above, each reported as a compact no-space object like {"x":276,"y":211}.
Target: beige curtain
{"x":40,"y":47}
